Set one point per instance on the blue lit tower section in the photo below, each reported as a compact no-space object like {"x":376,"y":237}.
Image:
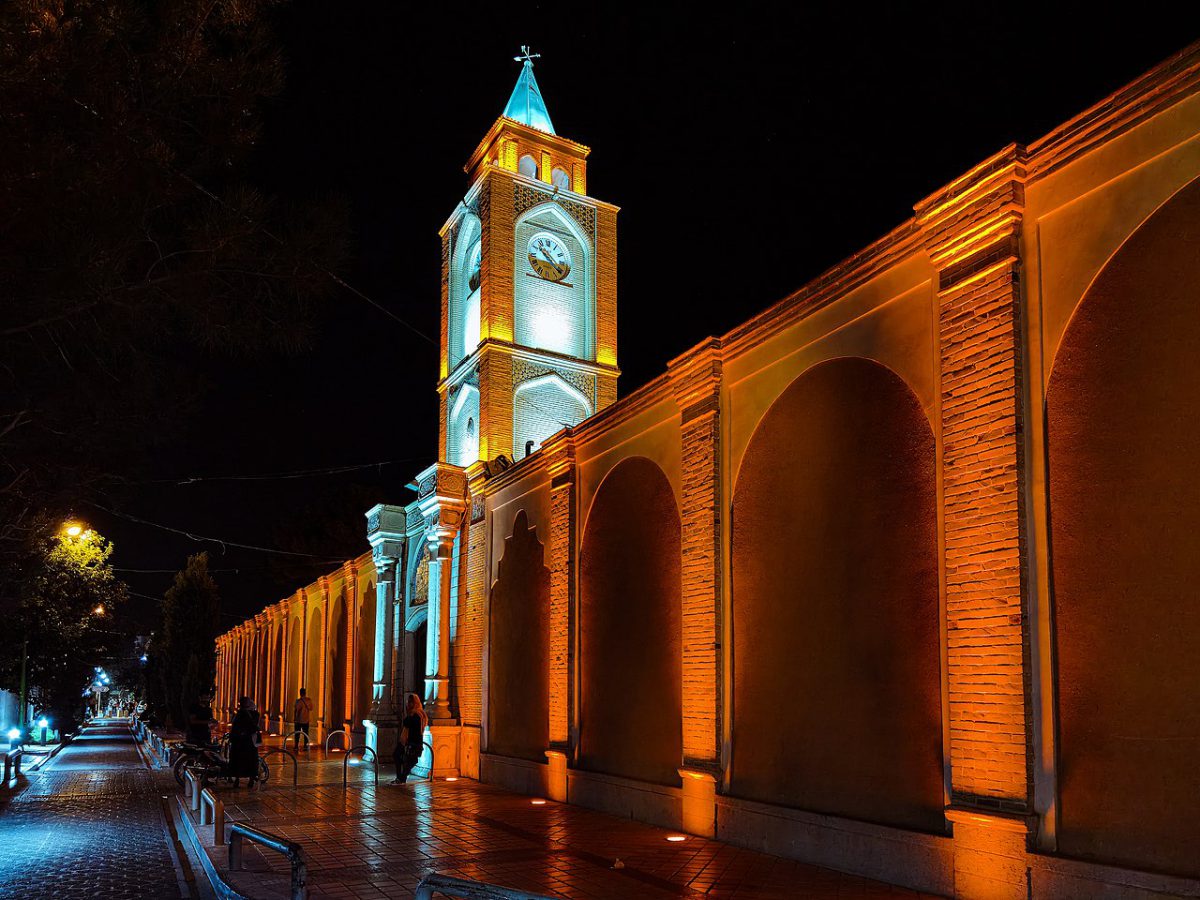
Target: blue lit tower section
{"x":528,"y":290}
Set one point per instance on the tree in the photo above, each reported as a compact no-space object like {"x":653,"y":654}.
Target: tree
{"x":131,"y":242}
{"x":58,"y":616}
{"x":184,"y":651}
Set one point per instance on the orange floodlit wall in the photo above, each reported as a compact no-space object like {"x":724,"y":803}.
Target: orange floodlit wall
{"x":896,"y":577}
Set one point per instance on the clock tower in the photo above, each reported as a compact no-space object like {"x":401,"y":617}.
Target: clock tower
{"x":529,"y":290}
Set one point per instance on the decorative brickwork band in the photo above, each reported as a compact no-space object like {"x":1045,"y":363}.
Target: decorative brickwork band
{"x":696,"y":380}
{"x":971,"y":230}
{"x":560,"y":451}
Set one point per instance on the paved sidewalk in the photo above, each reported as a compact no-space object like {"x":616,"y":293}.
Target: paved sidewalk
{"x":89,"y":824}
{"x":364,"y":841}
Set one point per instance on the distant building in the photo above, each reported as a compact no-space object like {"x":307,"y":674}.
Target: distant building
{"x":896,"y":577}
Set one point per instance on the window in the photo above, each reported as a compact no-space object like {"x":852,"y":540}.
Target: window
{"x":560,"y":179}
{"x":528,"y":166}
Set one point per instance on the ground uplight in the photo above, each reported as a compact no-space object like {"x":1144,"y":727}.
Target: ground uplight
{"x":538,"y":802}
{"x":451,"y":778}
{"x":676,"y":838}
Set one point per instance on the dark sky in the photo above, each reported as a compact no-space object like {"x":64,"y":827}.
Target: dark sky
{"x":749,"y":151}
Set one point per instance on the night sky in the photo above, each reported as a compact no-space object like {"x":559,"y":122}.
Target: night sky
{"x":748,"y":151}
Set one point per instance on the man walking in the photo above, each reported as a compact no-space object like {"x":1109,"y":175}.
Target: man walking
{"x":303,"y":710}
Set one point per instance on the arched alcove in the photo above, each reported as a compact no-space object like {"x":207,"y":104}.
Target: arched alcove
{"x":837,"y":685}
{"x":312,"y":663}
{"x":336,"y":663}
{"x":295,"y":666}
{"x":543,"y":406}
{"x":462,"y":437}
{"x":275,"y":702}
{"x":527,"y":166}
{"x":630,"y":627}
{"x":518,"y":648}
{"x":560,"y":179}
{"x":1123,"y":436}
{"x":465,"y":274}
{"x":261,"y":656}
{"x":366,"y":656}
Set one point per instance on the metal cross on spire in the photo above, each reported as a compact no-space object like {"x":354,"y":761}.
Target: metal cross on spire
{"x":526,"y":56}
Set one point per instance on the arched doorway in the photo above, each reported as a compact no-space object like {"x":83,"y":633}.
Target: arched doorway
{"x":276,"y":703}
{"x":366,"y":657}
{"x":1124,"y":438}
{"x":836,"y":661}
{"x":630,"y":622}
{"x":415,"y":654}
{"x":295,"y":665}
{"x":312,"y":666}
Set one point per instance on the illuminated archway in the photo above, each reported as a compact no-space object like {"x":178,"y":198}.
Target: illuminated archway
{"x":366,"y":656}
{"x":335,"y":690}
{"x":314,"y":649}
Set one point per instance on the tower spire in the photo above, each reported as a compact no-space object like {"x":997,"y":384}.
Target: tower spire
{"x":526,"y":104}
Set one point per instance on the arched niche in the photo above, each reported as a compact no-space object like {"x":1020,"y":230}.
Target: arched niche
{"x":462,"y":437}
{"x":837,"y":683}
{"x":312,"y":662}
{"x":553,"y":315}
{"x":335,"y":691}
{"x":261,"y":656}
{"x":543,"y":406}
{"x":295,"y":667}
{"x":527,"y":166}
{"x":366,"y":656}
{"x":518,"y":648}
{"x":1123,"y":437}
{"x":630,"y":627}
{"x":275,"y":702}
{"x":466,"y":257}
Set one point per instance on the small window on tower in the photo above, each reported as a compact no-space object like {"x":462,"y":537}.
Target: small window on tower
{"x":528,"y":166}
{"x":560,"y":179}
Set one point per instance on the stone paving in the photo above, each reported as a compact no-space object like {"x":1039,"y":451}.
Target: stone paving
{"x":364,"y":841}
{"x":90,"y":824}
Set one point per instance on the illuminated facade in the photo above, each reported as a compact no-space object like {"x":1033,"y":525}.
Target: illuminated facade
{"x":894,"y":577}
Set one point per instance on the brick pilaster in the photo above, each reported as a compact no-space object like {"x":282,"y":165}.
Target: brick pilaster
{"x":560,"y":454}
{"x":472,"y":625}
{"x":696,"y":380}
{"x":971,"y":231}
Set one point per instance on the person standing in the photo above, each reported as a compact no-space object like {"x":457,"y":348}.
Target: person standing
{"x":412,"y":736}
{"x":301,"y":716}
{"x":243,"y":743}
{"x":200,"y":721}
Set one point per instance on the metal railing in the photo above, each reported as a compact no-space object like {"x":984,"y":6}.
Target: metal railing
{"x":307,"y":739}
{"x":290,"y":755}
{"x":293,"y":851}
{"x":364,"y":749}
{"x":470,"y":890}
{"x":12,"y":765}
{"x":210,"y":803}
{"x":345,"y":743}
{"x":192,"y":787}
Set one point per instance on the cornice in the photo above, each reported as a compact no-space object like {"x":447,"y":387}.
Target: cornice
{"x":467,"y":364}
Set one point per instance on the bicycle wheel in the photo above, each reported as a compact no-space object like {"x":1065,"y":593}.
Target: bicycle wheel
{"x":179,"y":767}
{"x":264,"y":771}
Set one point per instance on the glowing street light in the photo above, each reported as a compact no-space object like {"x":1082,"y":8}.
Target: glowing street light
{"x":74,"y":530}
{"x":99,"y":610}
{"x":14,"y":735}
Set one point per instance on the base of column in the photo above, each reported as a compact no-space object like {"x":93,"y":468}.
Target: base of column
{"x":699,"y":805}
{"x":556,"y":776}
{"x":990,"y":854}
{"x":445,"y":737}
{"x":382,"y":735}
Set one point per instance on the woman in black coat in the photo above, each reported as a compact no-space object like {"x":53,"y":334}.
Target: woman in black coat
{"x":243,"y":748}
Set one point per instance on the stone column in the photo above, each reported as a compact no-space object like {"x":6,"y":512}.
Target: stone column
{"x":971,"y":231}
{"x":559,"y":451}
{"x":696,"y":380}
{"x":386,"y":534}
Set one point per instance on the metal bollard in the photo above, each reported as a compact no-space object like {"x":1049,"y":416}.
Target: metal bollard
{"x":210,"y":803}
{"x":192,"y":787}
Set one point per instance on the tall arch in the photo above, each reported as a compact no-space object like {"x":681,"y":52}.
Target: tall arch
{"x":518,"y":648}
{"x":464,"y":289}
{"x":275,"y":704}
{"x":335,"y":689}
{"x":630,"y":621}
{"x":366,"y":656}
{"x":462,"y":441}
{"x":261,"y":655}
{"x":1123,"y":439}
{"x":543,"y":406}
{"x":554,"y":315}
{"x":295,"y":668}
{"x":836,"y":661}
{"x":314,"y":647}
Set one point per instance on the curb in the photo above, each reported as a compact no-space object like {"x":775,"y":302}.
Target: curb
{"x":219,"y":884}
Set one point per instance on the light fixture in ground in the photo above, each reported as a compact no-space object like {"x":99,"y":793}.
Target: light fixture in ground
{"x":676,"y":838}
{"x":538,"y":802}
{"x":451,"y":778}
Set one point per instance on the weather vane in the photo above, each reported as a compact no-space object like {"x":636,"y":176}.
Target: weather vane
{"x":526,"y":56}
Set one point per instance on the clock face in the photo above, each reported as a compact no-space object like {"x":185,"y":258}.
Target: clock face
{"x":549,"y":257}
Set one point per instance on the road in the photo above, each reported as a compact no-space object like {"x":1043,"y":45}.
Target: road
{"x":90,"y":825}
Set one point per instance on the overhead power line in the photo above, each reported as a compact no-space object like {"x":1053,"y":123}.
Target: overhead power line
{"x":202,"y":538}
{"x":271,"y":476}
